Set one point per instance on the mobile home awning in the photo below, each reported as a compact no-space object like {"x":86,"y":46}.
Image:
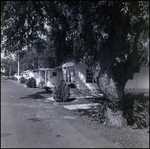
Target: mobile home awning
{"x":69,"y":64}
{"x":44,"y":69}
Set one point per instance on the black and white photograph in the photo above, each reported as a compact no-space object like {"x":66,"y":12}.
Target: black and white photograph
{"x":75,"y":74}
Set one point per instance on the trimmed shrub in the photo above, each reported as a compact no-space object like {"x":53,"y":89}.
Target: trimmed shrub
{"x":61,"y":91}
{"x":31,"y":82}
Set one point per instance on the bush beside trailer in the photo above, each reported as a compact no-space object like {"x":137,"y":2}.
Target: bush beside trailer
{"x":79,"y":75}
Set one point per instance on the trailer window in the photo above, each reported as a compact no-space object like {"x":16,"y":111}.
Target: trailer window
{"x":54,"y":73}
{"x":89,"y":76}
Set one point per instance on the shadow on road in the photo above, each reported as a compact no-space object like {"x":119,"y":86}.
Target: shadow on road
{"x":33,"y":96}
{"x":44,"y":92}
{"x":70,"y":99}
{"x":96,"y":100}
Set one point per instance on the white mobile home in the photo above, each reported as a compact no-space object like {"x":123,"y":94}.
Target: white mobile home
{"x":47,"y":77}
{"x":80,"y":76}
{"x":27,"y":74}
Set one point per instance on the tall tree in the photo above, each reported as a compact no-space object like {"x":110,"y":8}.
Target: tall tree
{"x":57,"y":19}
{"x":109,"y":36}
{"x":25,"y":23}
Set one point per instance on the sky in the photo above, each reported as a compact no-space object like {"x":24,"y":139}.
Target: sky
{"x":4,"y":57}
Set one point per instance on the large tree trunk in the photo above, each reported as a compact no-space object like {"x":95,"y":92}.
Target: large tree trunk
{"x":114,"y":104}
{"x":113,"y":90}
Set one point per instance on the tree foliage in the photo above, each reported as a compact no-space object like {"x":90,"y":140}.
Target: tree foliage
{"x":123,"y":26}
{"x":8,"y":66}
{"x":79,"y":28}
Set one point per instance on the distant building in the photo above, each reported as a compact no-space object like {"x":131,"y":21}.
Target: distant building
{"x":47,"y":77}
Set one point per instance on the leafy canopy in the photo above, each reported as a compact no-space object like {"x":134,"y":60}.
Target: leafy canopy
{"x":78,"y":30}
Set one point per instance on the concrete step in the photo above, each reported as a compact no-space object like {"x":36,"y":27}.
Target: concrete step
{"x":74,"y":91}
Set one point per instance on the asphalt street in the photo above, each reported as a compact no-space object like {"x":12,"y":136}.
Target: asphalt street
{"x":30,"y":120}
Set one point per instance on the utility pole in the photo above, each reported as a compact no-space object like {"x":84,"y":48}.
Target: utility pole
{"x":18,"y":67}
{"x":10,"y":69}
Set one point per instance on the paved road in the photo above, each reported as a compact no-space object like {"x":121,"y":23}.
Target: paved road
{"x":29,"y":120}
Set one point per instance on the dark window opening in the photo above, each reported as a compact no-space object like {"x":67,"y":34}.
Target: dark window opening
{"x":54,"y":73}
{"x":69,"y":76}
{"x":89,"y":77}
